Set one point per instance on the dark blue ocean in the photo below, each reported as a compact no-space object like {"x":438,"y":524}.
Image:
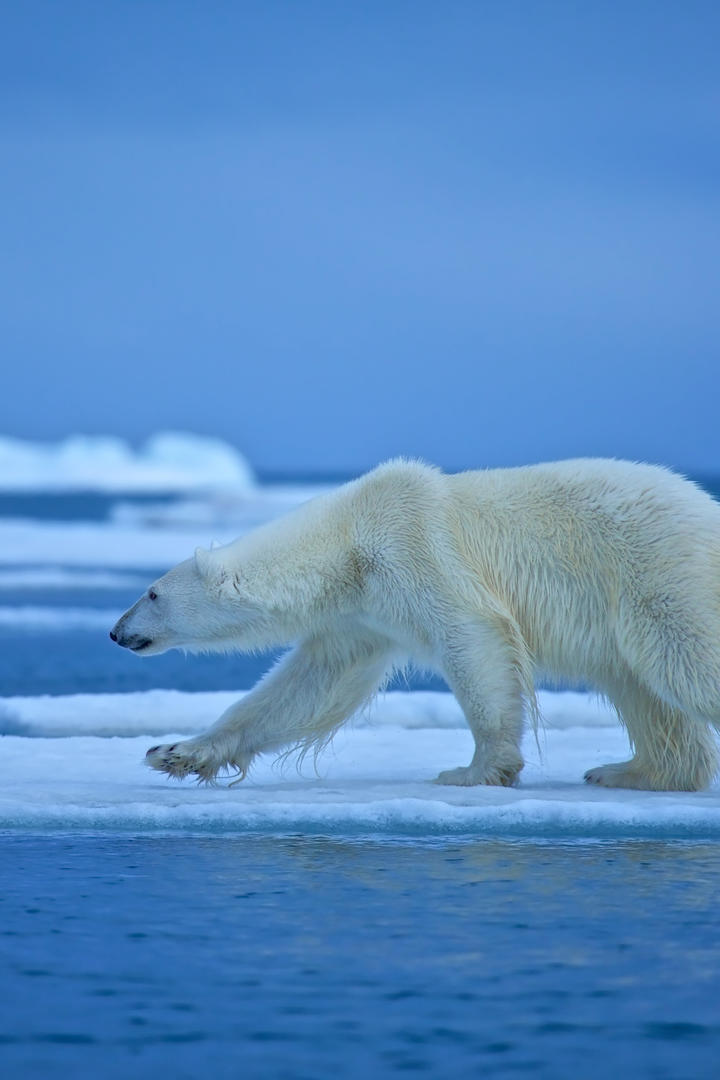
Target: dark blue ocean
{"x":304,"y":957}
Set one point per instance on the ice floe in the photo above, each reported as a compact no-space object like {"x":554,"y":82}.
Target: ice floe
{"x":76,"y":762}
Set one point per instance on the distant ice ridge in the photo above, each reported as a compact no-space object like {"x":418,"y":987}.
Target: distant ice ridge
{"x":59,"y":577}
{"x":34,"y":617}
{"x":169,"y":461}
{"x":237,"y":511}
{"x":64,"y":770}
{"x":163,"y":712}
{"x":100,"y":545}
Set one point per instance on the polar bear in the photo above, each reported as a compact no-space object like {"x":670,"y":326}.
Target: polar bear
{"x":596,"y":572}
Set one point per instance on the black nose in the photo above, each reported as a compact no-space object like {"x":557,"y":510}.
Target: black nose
{"x":113,"y":635}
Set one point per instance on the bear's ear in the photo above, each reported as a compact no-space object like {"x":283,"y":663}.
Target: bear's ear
{"x":202,"y":561}
{"x":219,"y":577}
{"x":209,"y":567}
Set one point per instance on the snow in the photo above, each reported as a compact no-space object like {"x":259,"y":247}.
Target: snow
{"x":169,"y":461}
{"x":76,"y":762}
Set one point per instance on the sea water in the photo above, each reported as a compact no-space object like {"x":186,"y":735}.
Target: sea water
{"x":310,"y":948}
{"x":310,"y":957}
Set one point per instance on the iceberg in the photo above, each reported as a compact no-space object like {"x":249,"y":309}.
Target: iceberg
{"x":168,"y":462}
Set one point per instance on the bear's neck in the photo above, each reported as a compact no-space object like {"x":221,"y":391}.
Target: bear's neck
{"x":299,"y":565}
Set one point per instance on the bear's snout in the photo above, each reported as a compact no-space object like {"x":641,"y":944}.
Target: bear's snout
{"x":134,"y":642}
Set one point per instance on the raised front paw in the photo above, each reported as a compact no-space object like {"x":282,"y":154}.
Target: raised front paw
{"x":192,"y":757}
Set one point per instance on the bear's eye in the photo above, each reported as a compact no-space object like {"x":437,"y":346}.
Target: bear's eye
{"x":152,"y":595}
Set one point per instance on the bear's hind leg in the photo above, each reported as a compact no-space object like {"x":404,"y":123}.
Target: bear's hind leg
{"x":673,"y":751}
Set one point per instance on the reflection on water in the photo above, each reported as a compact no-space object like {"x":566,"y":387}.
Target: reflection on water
{"x":303,"y":957}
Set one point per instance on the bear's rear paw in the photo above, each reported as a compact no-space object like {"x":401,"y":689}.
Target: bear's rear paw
{"x":623,"y":774}
{"x":191,"y":757}
{"x":470,"y":775}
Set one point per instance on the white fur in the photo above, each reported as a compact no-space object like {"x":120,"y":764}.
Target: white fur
{"x":593,"y":572}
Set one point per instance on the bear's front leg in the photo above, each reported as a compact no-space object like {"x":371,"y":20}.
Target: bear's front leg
{"x":498,"y":767}
{"x":482,"y":663}
{"x":305,"y":697}
{"x":201,"y":758}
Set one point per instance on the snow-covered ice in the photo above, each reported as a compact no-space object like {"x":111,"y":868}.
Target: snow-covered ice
{"x":76,"y":762}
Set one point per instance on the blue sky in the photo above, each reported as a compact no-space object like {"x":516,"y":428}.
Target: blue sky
{"x":481,"y":233}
